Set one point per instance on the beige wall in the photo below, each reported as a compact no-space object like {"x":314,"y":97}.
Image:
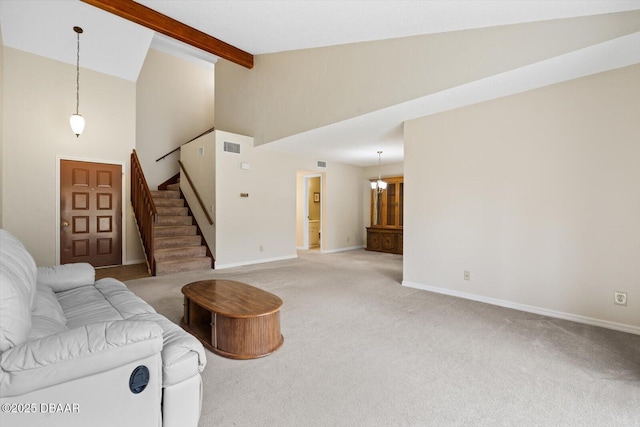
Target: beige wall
{"x":342,"y":208}
{"x":261,"y":227}
{"x":290,"y":92}
{"x":537,"y":195}
{"x":38,"y":98}
{"x":202,"y":171}
{"x":2,"y":123}
{"x":174,"y":104}
{"x":265,"y":226}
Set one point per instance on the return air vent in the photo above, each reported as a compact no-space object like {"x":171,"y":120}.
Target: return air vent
{"x":231,"y":147}
{"x":322,"y":164}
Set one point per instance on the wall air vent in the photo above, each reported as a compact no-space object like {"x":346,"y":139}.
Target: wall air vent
{"x":231,"y":147}
{"x":322,"y":164}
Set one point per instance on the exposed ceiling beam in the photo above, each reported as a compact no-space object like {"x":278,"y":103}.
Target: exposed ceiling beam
{"x":156,"y":21}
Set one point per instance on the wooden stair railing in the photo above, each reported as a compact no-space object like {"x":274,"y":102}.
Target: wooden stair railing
{"x":145,"y":210}
{"x":195,"y":191}
{"x":192,"y":139}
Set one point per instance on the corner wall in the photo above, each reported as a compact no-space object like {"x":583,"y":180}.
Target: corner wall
{"x":1,"y":130}
{"x":174,"y":103}
{"x":38,"y":98}
{"x":199,"y":159}
{"x":263,"y":226}
{"x":537,"y":195}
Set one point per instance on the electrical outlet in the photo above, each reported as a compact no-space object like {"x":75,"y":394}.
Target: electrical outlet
{"x":261,"y":248}
{"x":467,"y":275}
{"x":620,"y":298}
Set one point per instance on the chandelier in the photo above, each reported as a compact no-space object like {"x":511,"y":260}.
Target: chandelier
{"x":379,"y":185}
{"x":77,"y":121}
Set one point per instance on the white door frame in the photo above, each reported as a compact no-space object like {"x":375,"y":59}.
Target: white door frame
{"x":305,"y":216}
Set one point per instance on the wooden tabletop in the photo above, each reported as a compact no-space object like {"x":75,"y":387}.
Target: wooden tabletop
{"x":231,"y":298}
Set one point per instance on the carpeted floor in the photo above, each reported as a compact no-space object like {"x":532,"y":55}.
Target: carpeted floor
{"x":361,"y":350}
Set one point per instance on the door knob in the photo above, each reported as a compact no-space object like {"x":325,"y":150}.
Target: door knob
{"x":65,"y":223}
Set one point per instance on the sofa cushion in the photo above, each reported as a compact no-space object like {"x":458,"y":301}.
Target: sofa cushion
{"x":86,"y":304}
{"x":43,"y":326}
{"x":47,"y":304}
{"x":108,"y":300}
{"x":122,"y":299}
{"x":17,"y":291}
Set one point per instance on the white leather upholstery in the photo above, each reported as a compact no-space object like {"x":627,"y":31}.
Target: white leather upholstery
{"x":76,"y":353}
{"x":67,"y":276}
{"x":184,"y":401}
{"x":81,"y":343}
{"x":103,"y":399}
{"x":18,"y":286}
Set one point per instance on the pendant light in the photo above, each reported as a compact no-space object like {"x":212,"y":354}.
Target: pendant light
{"x":77,"y":121}
{"x":379,"y":185}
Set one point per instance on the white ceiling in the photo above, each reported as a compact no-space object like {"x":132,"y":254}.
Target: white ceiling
{"x":267,"y":26}
{"x":115,"y":46}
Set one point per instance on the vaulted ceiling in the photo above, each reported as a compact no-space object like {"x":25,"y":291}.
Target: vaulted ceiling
{"x":118,"y":47}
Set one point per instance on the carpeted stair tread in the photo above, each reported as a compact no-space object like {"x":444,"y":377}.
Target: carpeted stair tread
{"x":175,"y":230}
{"x":172,"y":211}
{"x":165,"y":194}
{"x":177,"y":246}
{"x":180,"y":252}
{"x":184,"y":264}
{"x":177,"y":241}
{"x":174,"y":220}
{"x":167,"y":202}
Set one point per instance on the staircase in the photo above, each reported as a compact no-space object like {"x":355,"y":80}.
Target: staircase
{"x":177,"y":246}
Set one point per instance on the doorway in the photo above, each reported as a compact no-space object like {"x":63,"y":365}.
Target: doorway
{"x":90,"y":226}
{"x":312,"y":228}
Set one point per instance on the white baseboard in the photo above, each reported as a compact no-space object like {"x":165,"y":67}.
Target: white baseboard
{"x":350,"y":248}
{"x":528,"y":308}
{"x":255,"y":261}
{"x":136,"y":261}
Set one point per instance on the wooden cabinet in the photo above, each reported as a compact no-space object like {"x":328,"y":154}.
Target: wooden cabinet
{"x":314,"y":233}
{"x":385,"y":233}
{"x":384,"y":240}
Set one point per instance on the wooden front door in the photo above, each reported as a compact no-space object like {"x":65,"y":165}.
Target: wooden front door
{"x":90,"y":213}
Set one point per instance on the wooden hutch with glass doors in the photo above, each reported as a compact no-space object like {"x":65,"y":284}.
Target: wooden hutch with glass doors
{"x":385,"y":233}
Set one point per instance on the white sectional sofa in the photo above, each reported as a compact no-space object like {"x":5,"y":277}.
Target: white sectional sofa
{"x":76,"y":352}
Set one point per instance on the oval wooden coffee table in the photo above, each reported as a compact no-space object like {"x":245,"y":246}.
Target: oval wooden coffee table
{"x":233,"y":319}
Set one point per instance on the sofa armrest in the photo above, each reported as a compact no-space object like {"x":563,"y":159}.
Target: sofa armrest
{"x":183,"y":356}
{"x":79,"y":352}
{"x":67,"y":276}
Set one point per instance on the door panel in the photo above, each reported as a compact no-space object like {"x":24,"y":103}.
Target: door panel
{"x":90,"y":213}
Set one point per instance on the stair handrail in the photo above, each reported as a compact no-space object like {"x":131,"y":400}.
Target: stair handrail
{"x":195,"y":191}
{"x":145,"y":210}
{"x":192,"y":139}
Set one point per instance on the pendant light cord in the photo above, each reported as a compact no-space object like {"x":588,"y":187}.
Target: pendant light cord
{"x":78,"y":74}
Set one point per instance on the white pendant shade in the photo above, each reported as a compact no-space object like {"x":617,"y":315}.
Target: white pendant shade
{"x":77,"y":124}
{"x":382,"y":184}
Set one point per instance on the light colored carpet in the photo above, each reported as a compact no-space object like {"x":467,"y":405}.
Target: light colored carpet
{"x":361,"y":350}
